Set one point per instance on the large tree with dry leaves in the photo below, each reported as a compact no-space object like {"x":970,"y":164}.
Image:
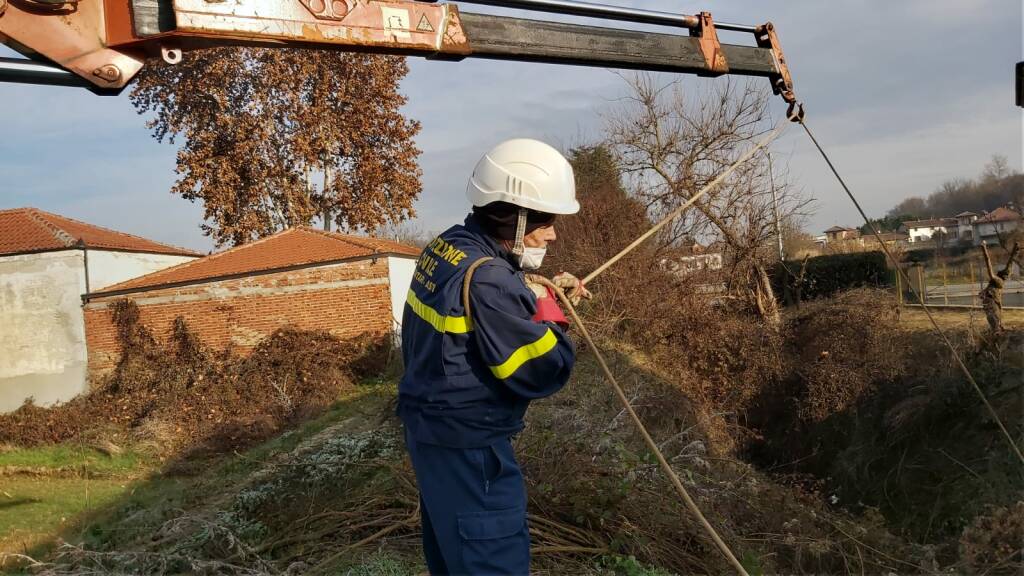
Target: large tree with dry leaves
{"x":272,"y":138}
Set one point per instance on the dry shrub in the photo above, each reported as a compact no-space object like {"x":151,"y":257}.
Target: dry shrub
{"x":717,"y":357}
{"x":608,"y":220}
{"x":841,"y":348}
{"x":181,"y":396}
{"x":593,"y":484}
{"x":731,"y":354}
{"x":994,"y":542}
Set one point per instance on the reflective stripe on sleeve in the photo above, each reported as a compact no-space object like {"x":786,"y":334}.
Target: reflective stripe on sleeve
{"x":523,"y":354}
{"x":440,"y":322}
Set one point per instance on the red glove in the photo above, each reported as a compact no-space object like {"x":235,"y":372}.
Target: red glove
{"x":548,"y":310}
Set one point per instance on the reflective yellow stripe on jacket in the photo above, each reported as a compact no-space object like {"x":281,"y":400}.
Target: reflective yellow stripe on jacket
{"x":523,"y":354}
{"x":441,"y":323}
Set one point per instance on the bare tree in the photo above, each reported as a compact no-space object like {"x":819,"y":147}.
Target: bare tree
{"x":670,"y":147}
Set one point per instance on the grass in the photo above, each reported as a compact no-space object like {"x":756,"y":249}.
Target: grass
{"x":103,"y":500}
{"x":914,"y":319}
{"x":75,"y":458}
{"x":349,"y":405}
{"x":33,"y":508}
{"x":58,"y":485}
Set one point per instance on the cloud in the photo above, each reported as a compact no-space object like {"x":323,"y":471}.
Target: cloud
{"x":903,"y":94}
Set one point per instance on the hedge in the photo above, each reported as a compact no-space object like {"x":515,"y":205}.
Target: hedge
{"x":826,"y":275}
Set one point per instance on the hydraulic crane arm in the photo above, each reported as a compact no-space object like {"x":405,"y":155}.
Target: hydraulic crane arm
{"x":102,"y":44}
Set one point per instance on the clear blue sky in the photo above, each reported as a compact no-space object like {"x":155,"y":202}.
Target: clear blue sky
{"x":904,"y":95}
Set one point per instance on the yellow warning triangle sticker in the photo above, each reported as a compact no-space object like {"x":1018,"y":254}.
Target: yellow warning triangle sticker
{"x":424,"y":25}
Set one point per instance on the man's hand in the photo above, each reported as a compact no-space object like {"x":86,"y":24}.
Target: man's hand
{"x":572,"y":287}
{"x":548,"y":309}
{"x":539,"y":290}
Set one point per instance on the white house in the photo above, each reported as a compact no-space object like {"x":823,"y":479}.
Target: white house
{"x":694,"y":258}
{"x":1000,"y":221}
{"x":924,"y":230}
{"x":964,"y":231}
{"x":47,"y":262}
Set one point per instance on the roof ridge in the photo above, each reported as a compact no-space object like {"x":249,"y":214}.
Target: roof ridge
{"x":111,"y":230}
{"x":59,"y":234}
{"x":341,"y":237}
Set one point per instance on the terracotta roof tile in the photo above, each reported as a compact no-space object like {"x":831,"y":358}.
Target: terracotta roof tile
{"x":30,"y":230}
{"x":293,"y":247}
{"x":1001,"y":214}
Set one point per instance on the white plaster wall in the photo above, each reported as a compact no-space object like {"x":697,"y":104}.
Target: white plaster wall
{"x":42,"y":331}
{"x":107,"y":268}
{"x":400,"y":272}
{"x":923,"y":234}
{"x":992,"y":229}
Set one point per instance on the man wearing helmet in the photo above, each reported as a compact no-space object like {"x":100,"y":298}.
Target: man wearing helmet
{"x":469,"y":380}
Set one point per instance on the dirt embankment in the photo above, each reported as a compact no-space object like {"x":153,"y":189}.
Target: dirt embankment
{"x":840,"y":443}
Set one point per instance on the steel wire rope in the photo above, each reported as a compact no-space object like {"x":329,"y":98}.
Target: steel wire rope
{"x":920,"y":297}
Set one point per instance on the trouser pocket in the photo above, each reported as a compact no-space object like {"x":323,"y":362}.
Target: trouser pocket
{"x":495,"y":542}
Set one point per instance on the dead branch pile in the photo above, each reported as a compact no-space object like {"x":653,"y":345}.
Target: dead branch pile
{"x":181,"y":395}
{"x":840,"y":349}
{"x":587,"y":470}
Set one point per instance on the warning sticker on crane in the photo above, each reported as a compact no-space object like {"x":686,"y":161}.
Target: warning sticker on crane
{"x":396,"y":21}
{"x":424,"y":25}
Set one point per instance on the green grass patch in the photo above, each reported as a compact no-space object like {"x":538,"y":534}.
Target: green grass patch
{"x":34,"y":508}
{"x":78,"y":457}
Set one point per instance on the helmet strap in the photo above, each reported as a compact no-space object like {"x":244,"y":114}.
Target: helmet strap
{"x":519,"y":247}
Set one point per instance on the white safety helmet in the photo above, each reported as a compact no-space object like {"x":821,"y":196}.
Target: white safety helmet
{"x":527,"y":173}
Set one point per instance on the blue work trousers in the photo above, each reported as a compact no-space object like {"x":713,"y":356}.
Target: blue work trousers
{"x":473,"y":509}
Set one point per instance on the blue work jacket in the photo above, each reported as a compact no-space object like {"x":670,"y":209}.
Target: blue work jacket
{"x":468,"y":381}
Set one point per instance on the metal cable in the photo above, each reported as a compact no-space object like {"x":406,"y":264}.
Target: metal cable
{"x":920,"y":297}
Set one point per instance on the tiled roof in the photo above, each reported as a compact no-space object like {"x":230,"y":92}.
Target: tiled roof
{"x":1000,"y":214}
{"x":25,"y":230}
{"x":839,"y":229}
{"x":293,"y":247}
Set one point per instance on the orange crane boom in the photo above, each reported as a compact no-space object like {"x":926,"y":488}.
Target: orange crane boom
{"x":102,"y":44}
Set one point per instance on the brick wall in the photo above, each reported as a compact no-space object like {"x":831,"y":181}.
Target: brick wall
{"x":345,"y":299}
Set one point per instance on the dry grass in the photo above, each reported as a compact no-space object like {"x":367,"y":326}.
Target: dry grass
{"x":915,"y":319}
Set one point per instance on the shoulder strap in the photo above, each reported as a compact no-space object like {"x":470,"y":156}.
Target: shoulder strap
{"x":465,"y":287}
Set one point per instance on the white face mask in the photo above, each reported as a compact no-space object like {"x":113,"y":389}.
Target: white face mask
{"x":532,"y":258}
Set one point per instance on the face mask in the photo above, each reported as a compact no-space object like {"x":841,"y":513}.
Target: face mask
{"x":532,"y":258}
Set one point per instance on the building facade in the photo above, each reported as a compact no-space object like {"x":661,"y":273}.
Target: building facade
{"x":926,"y":230}
{"x":47,"y":263}
{"x":999,"y":222}
{"x":300,"y":278}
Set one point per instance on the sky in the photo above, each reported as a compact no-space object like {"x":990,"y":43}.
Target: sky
{"x":903,"y":96}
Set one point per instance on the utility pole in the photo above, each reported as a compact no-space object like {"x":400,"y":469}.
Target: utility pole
{"x":775,"y":209}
